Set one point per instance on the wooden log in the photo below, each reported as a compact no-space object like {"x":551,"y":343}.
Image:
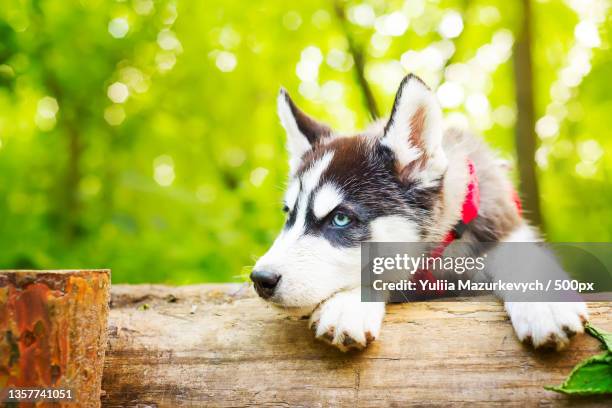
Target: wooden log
{"x":221,"y":346}
{"x":53,"y":332}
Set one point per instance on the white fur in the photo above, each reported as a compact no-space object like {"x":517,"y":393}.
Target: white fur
{"x":297,"y":143}
{"x":346,"y":322}
{"x":455,"y":182}
{"x":309,"y":181}
{"x":415,"y":95}
{"x":523,"y":234}
{"x":394,"y":228}
{"x":312,"y":176}
{"x":546,"y":323}
{"x":543,"y":323}
{"x":311,"y":268}
{"x":325,"y":200}
{"x":291,"y":195}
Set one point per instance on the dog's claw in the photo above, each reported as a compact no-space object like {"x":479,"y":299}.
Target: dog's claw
{"x":348,"y":340}
{"x":569,"y":332}
{"x":328,"y":335}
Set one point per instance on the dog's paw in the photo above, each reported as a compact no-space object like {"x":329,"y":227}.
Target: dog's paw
{"x":547,"y":325}
{"x":347,"y":323}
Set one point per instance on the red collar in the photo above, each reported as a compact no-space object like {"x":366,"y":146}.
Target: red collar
{"x":469,"y":211}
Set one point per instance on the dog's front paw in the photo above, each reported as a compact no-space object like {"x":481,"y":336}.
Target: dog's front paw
{"x":347,"y":323}
{"x":547,"y":325}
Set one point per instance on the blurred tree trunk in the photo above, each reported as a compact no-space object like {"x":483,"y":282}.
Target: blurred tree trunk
{"x":359,"y":63}
{"x":73,"y":179}
{"x":70,"y":208}
{"x":525,"y":124}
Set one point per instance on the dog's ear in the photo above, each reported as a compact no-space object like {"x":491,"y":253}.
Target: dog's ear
{"x":414,"y":132}
{"x":302,"y":130}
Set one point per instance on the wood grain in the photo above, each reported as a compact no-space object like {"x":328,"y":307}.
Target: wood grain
{"x":221,"y":346}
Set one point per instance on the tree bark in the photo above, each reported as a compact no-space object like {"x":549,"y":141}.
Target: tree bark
{"x":525,"y":139}
{"x":53,"y":331}
{"x":222,"y":346}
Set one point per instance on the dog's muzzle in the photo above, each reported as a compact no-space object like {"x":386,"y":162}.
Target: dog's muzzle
{"x":265,"y":282}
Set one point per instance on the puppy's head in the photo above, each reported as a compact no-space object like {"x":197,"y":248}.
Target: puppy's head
{"x":382,"y":185}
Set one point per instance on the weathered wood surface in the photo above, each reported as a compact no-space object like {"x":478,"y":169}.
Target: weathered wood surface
{"x":221,"y":346}
{"x":53,"y":332}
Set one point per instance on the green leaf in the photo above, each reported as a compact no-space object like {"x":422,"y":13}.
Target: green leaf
{"x":594,"y":375}
{"x":604,"y":337}
{"x":591,"y":377}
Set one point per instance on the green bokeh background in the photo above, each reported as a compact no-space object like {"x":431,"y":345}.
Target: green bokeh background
{"x":142,"y":135}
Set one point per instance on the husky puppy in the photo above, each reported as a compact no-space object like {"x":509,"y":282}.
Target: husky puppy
{"x":401,"y":180}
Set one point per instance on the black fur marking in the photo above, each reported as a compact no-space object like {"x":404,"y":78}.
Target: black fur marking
{"x":291,"y":216}
{"x":291,"y":213}
{"x":309,"y":127}
{"x":367,"y":177}
{"x":350,"y":236}
{"x":423,"y":198}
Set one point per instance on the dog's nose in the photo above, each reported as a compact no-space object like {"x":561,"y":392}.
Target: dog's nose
{"x":265,"y":282}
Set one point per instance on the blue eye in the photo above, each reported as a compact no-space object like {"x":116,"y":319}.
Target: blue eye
{"x":341,"y":220}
